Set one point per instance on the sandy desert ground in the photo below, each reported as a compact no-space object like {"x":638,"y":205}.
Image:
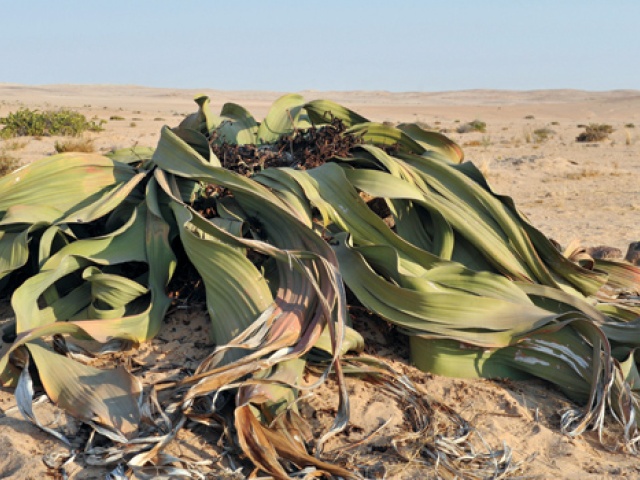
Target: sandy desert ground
{"x":572,"y":191}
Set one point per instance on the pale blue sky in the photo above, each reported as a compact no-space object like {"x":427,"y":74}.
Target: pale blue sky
{"x":391,"y":45}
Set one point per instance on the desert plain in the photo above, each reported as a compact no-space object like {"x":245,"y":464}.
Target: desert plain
{"x":584,"y":192}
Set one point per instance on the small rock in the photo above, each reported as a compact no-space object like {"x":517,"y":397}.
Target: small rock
{"x":633,"y":253}
{"x":603,"y":252}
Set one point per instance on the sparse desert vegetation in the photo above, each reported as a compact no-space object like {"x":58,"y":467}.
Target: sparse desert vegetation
{"x":595,"y":133}
{"x":8,"y":163}
{"x":583,"y":173}
{"x":15,"y":145}
{"x":26,"y":122}
{"x":542,"y":134}
{"x":474,"y":126}
{"x":81,"y":145}
{"x":485,"y":142}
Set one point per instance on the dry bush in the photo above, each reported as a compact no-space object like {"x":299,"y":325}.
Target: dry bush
{"x":528,"y":135}
{"x":475,"y":126}
{"x":8,"y":163}
{"x":584,"y":173}
{"x":595,"y":133}
{"x":15,"y":145}
{"x":484,"y":166}
{"x":82,"y":145}
{"x":542,"y":134}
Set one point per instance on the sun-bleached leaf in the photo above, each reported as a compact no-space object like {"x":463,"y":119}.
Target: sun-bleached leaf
{"x":108,"y":398}
{"x":24,"y":400}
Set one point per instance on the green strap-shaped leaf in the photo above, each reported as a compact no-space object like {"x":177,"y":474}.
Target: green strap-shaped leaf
{"x":471,"y":318}
{"x":573,"y":354}
{"x":124,"y":245}
{"x":384,"y":135}
{"x":114,"y":291}
{"x":562,"y":358}
{"x":236,"y":291}
{"x":14,"y":249}
{"x":237,"y":126}
{"x":568,"y":274}
{"x":322,"y":112}
{"x":434,"y":142}
{"x":282,"y":119}
{"x":621,"y":276}
{"x":288,"y":190}
{"x":203,"y":121}
{"x":92,"y":186}
{"x":131,"y":155}
{"x":629,"y":369}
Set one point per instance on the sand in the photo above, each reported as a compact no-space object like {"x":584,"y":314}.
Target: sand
{"x":570,"y":190}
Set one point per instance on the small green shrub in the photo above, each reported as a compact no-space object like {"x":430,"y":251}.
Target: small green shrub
{"x":26,"y":122}
{"x":116,"y":118}
{"x":475,"y":126}
{"x":542,"y":134}
{"x":529,"y":117}
{"x":595,"y":133}
{"x":629,"y":125}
